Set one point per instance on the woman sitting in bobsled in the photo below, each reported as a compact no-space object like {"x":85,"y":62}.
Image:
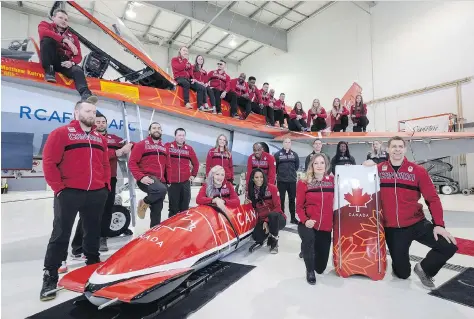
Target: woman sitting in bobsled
{"x":217,"y":191}
{"x":266,"y":201}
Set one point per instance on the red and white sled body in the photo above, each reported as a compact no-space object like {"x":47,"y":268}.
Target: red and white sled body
{"x":156,"y":262}
{"x":359,"y":237}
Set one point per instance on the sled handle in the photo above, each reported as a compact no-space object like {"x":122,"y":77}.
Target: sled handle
{"x":378,"y":223}
{"x":339,"y":221}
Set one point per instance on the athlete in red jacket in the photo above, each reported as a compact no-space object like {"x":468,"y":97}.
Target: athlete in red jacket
{"x":280,"y":110}
{"x":219,"y":81}
{"x":317,"y":117}
{"x":221,"y":155}
{"x":148,"y":165}
{"x":263,"y":160}
{"x":241,"y":89}
{"x":76,"y":166}
{"x":297,"y":118}
{"x":359,"y":115}
{"x":180,"y":158}
{"x":115,"y":150}
{"x":339,"y":119}
{"x":314,"y":206}
{"x":217,"y":191}
{"x":61,"y":52}
{"x":183,"y":75}
{"x":254,"y":96}
{"x":266,"y":201}
{"x":401,"y":185}
{"x":200,"y":76}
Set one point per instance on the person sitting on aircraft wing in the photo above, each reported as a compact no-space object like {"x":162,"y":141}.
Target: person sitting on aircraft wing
{"x":343,"y":156}
{"x":183,"y":75}
{"x":254,"y":96}
{"x":61,"y":52}
{"x":297,"y":118}
{"x":217,"y":191}
{"x":314,"y":206}
{"x":221,"y":155}
{"x":147,"y":164}
{"x":219,"y":81}
{"x":280,"y":111}
{"x":359,"y":115}
{"x":241,"y":89}
{"x":317,"y":117}
{"x":339,"y":119}
{"x":270,"y":107}
{"x":378,"y":154}
{"x":265,"y":198}
{"x":401,"y":184}
{"x":263,"y":160}
{"x":200,"y":76}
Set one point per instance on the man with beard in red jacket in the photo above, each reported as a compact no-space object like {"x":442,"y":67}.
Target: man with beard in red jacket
{"x":61,"y":52}
{"x":180,"y":158}
{"x":76,"y":167}
{"x":401,"y":185}
{"x":115,"y":150}
{"x":148,"y":165}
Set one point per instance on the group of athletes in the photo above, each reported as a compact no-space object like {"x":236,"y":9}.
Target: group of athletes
{"x":168,"y":169}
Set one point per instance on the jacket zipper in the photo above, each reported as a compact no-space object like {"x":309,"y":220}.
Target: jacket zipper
{"x":90,"y":161}
{"x":179,"y":163}
{"x":322,"y":205}
{"x":396,"y":195}
{"x":159,"y":163}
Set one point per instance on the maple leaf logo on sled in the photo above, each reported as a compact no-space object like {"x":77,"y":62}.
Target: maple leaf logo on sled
{"x":356,"y":199}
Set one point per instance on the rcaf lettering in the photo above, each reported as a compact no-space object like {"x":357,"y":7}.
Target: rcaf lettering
{"x":248,"y":218}
{"x":153,"y":239}
{"x":401,"y":175}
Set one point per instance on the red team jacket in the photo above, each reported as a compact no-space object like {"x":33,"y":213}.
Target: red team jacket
{"x":271,"y":203}
{"x":254,"y":95}
{"x":200,"y":75}
{"x":216,"y":157}
{"x":113,"y":144}
{"x":226,"y":192}
{"x":315,"y":201}
{"x":181,"y":68}
{"x":293,"y":114}
{"x":400,"y":192}
{"x":264,"y":97}
{"x":358,"y":112}
{"x":266,"y":163}
{"x":179,"y":160}
{"x":312,"y":116}
{"x":148,"y":159}
{"x":219,"y":80}
{"x":239,"y":88}
{"x":333,"y":119}
{"x":75,"y":159}
{"x":46,"y":29}
{"x":280,"y":105}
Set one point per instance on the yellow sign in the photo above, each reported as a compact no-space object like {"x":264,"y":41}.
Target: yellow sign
{"x":117,"y":88}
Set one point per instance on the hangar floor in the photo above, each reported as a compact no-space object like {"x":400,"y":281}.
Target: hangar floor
{"x":275,"y":288}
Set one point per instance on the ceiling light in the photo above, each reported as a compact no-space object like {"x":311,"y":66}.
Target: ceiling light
{"x":232,"y":41}
{"x":130,"y":14}
{"x":136,"y":4}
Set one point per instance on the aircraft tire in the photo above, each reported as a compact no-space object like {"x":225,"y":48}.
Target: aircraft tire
{"x":119,"y":222}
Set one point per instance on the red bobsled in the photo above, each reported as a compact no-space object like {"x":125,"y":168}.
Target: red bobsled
{"x":359,"y":237}
{"x":156,"y":262}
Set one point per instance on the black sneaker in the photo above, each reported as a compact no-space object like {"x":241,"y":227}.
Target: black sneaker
{"x":301,"y":254}
{"x":254,"y":247}
{"x":128,"y":232}
{"x":310,"y":277}
{"x":274,"y":247}
{"x":50,"y":283}
{"x":294,"y":221}
{"x":50,"y":75}
{"x":426,"y":280}
{"x":103,"y":244}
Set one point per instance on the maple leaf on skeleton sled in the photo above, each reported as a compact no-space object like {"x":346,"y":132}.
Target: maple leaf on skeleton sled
{"x":356,"y":199}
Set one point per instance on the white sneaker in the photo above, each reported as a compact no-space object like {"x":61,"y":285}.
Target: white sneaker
{"x":63,"y":269}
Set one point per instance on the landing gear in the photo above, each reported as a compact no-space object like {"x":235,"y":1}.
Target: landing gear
{"x":447,"y":190}
{"x":468,"y":191}
{"x":120,"y":221}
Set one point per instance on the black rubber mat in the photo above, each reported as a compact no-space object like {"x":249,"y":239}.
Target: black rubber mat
{"x":459,"y":289}
{"x":179,"y":304}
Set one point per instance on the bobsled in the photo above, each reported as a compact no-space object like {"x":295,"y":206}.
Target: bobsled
{"x":156,"y":262}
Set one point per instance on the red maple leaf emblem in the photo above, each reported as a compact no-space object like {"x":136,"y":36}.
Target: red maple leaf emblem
{"x":356,"y":199}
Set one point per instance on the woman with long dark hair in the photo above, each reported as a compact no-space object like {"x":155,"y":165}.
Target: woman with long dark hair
{"x":359,"y":114}
{"x":343,"y":156}
{"x":266,"y":201}
{"x":297,"y":118}
{"x":183,"y":75}
{"x":200,"y":75}
{"x":378,"y":154}
{"x":314,"y":206}
{"x":217,"y":191}
{"x":339,"y":119}
{"x":317,"y":117}
{"x":221,"y":155}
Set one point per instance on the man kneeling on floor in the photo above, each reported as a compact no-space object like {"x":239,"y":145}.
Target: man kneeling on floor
{"x":61,"y":52}
{"x":266,"y":201}
{"x":401,"y":184}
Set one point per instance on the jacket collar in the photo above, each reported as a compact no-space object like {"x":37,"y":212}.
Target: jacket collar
{"x":76,"y":124}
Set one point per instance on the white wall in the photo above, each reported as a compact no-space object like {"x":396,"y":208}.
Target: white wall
{"x":420,"y":44}
{"x":16,"y":24}
{"x":325,"y":56}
